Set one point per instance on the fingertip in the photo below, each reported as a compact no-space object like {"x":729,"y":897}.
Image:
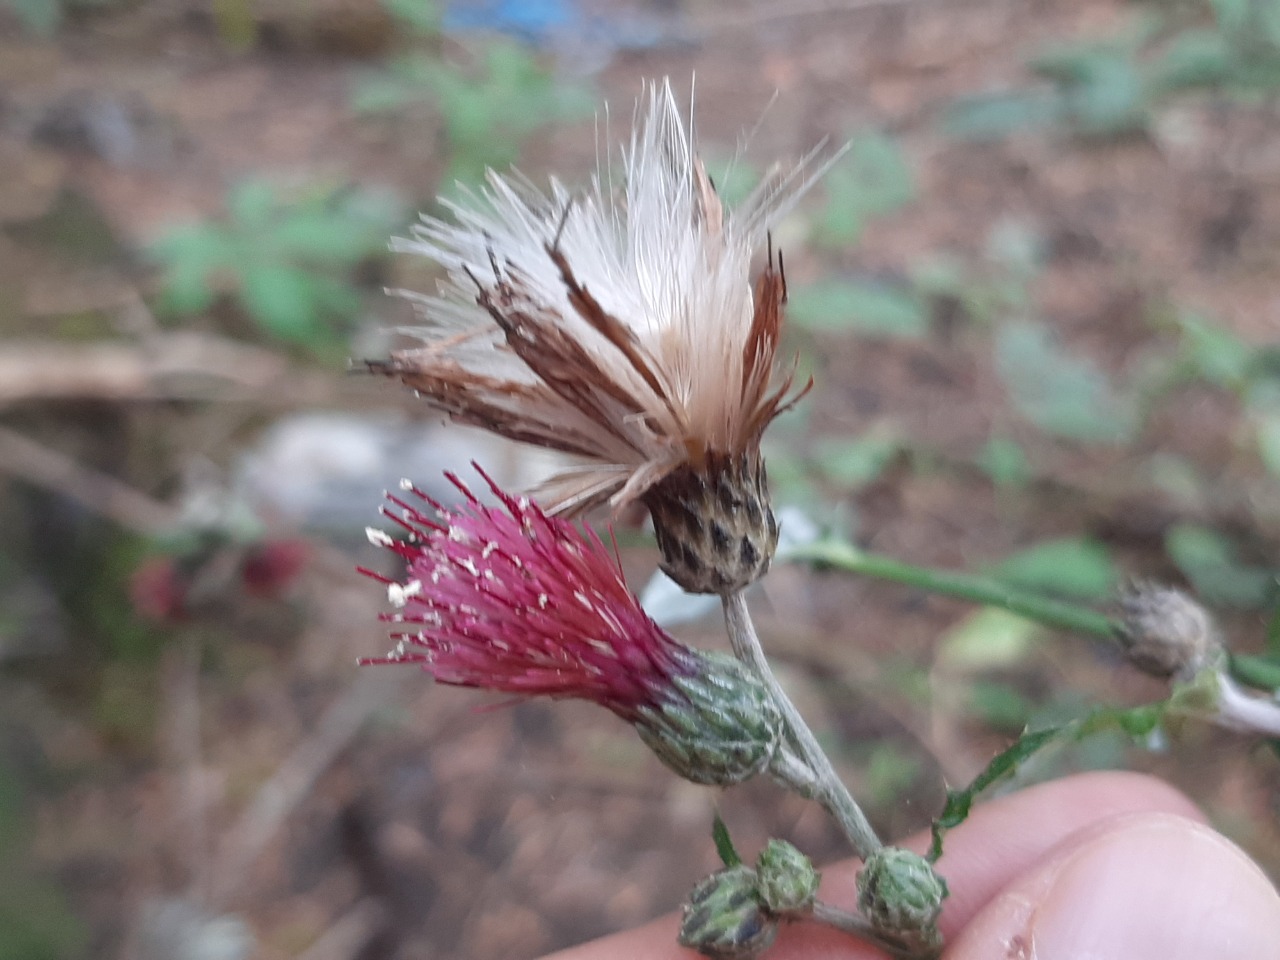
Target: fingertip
{"x":1151,"y":886}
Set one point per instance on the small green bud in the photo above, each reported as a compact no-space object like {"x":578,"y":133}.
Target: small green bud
{"x":719,"y":727}
{"x":724,"y":917}
{"x":901,"y":895}
{"x":787,"y":881}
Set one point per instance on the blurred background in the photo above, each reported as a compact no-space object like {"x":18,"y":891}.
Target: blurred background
{"x":1038,"y":294}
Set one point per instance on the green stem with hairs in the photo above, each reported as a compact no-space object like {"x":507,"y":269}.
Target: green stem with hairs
{"x":809,"y":771}
{"x":842,"y":555}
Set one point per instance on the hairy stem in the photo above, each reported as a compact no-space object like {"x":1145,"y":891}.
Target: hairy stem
{"x":985,"y":590}
{"x":1254,"y":671}
{"x":859,"y":926}
{"x":822,"y":783}
{"x":1239,"y":710}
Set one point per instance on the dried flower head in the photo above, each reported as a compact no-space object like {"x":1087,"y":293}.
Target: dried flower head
{"x":618,"y":325}
{"x":511,"y":599}
{"x":1166,"y":633}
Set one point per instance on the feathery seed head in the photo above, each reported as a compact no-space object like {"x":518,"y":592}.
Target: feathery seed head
{"x":620,"y":325}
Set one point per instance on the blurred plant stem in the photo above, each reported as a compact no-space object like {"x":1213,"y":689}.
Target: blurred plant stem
{"x":842,"y":555}
{"x":1242,"y":711}
{"x":859,"y":926}
{"x":1232,"y":707}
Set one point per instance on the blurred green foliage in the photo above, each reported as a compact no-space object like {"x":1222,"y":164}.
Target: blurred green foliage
{"x":491,"y":95}
{"x":289,"y":261}
{"x":1211,"y":562}
{"x":36,"y":922}
{"x":1073,"y":567}
{"x":853,"y":463}
{"x":1062,"y":393}
{"x":872,"y":179}
{"x":42,"y":18}
{"x":39,"y":17}
{"x":852,"y":305}
{"x":1098,"y":89}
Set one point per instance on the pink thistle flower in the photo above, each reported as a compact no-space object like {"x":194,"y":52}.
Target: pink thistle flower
{"x":514,"y":600}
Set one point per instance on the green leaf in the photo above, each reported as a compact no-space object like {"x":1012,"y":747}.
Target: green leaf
{"x":281,"y":299}
{"x":988,"y":639}
{"x":1268,"y":429}
{"x":199,"y":246}
{"x":1233,"y":15}
{"x":1113,"y":99}
{"x":191,"y":255}
{"x":871,"y":180}
{"x":724,"y":843}
{"x":421,"y":17}
{"x":1005,"y":463}
{"x":734,"y":180}
{"x":252,"y":203}
{"x":1059,"y":392}
{"x":237,"y":23}
{"x":871,"y":309}
{"x":852,"y":464}
{"x":1195,"y":58}
{"x":1070,"y":567}
{"x":1218,"y":355}
{"x":1005,"y":764}
{"x":39,"y":17}
{"x":381,"y":93}
{"x":1209,"y":561}
{"x":187,"y":289}
{"x":1137,"y":722}
{"x":890,"y":772}
{"x":327,"y":237}
{"x":999,"y":115}
{"x":1000,"y":705}
{"x":334,"y":296}
{"x":1263,"y":673}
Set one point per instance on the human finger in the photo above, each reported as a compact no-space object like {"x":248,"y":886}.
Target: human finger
{"x":1147,"y":886}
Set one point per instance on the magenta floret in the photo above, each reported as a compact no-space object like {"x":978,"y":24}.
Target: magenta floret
{"x":511,"y":599}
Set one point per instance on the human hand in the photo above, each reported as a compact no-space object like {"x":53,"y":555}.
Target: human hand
{"x":1092,"y":867}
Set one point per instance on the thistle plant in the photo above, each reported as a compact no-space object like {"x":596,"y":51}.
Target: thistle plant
{"x":621,"y":325}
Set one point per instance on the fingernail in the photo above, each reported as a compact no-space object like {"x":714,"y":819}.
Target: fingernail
{"x":1162,"y":888}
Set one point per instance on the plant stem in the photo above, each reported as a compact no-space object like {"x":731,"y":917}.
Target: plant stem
{"x":840,"y":554}
{"x":859,"y":926}
{"x":985,"y":590}
{"x":823,"y":784}
{"x":1243,"y":711}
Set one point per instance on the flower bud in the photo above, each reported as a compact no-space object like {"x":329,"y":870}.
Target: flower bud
{"x":787,"y":881}
{"x":1166,"y":633}
{"x":714,"y":524}
{"x":719,"y":727}
{"x":724,"y":917}
{"x":901,"y":895}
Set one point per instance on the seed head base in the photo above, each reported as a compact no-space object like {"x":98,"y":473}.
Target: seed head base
{"x":714,"y":524}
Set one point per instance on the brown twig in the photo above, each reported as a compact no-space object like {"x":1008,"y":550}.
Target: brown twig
{"x":25,"y":459}
{"x":289,"y":785}
{"x":166,"y":366}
